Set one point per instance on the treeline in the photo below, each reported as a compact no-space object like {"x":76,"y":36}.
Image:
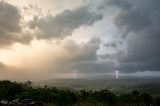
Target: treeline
{"x":13,"y":90}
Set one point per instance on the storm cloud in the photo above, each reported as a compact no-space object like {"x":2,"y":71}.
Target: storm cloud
{"x":10,"y":28}
{"x":63,"y":24}
{"x":138,"y":22}
{"x":99,"y":37}
{"x":77,"y":56}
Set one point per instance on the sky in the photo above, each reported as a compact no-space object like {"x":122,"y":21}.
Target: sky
{"x":46,"y":39}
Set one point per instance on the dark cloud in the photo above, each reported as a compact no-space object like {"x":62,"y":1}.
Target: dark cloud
{"x":116,"y":3}
{"x":64,"y":24}
{"x":9,"y":23}
{"x":10,"y":17}
{"x":10,"y":29}
{"x":133,"y":19}
{"x":112,"y":44}
{"x":87,"y":51}
{"x":77,"y":55}
{"x":106,"y":56}
{"x":96,"y":67}
{"x":139,"y":23}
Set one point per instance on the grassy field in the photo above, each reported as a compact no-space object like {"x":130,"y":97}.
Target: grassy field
{"x":120,"y":86}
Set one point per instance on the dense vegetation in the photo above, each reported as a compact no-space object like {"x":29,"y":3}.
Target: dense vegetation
{"x":13,"y":90}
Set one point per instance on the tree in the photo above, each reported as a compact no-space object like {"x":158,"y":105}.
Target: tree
{"x":156,"y":102}
{"x":146,"y":99}
{"x":28,"y":83}
{"x":135,"y":96}
{"x":104,"y":96}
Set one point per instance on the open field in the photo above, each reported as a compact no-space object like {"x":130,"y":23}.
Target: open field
{"x":118,"y":86}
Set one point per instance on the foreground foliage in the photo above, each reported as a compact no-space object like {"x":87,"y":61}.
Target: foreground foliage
{"x":53,"y":96}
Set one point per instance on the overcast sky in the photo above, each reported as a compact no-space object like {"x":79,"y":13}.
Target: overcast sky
{"x":45,"y":39}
